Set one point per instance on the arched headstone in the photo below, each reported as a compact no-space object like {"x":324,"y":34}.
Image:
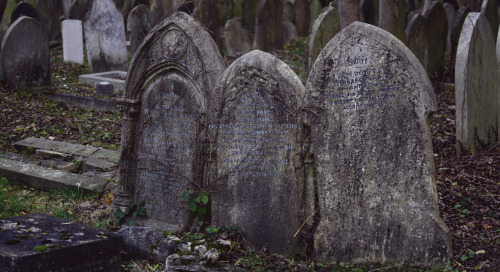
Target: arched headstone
{"x":417,"y":38}
{"x":171,"y":76}
{"x":23,"y":9}
{"x":368,"y":102}
{"x":475,"y":85}
{"x":105,"y":37}
{"x":436,"y":29}
{"x":27,"y":65}
{"x":322,"y":31}
{"x":256,"y":129}
{"x":139,"y":23}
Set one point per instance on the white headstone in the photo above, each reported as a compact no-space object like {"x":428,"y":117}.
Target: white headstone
{"x":72,"y":36}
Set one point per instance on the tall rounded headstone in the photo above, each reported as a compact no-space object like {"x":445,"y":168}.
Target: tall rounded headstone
{"x":417,"y":38}
{"x":268,"y":28}
{"x":23,"y":9}
{"x":322,"y":31}
{"x":139,"y":23}
{"x":256,"y":129}
{"x":368,"y":102}
{"x":164,"y":105}
{"x":475,"y":85}
{"x":105,"y":37}
{"x":436,"y":29}
{"x":25,"y":55}
{"x":50,"y":12}
{"x":72,"y":38}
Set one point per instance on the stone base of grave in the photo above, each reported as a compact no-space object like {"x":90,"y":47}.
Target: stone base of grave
{"x":40,"y":242}
{"x":115,"y":78}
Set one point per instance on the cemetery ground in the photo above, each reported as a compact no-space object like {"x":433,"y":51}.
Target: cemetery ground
{"x":468,"y":183}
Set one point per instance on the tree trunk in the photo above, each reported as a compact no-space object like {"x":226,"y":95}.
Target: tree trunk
{"x":348,"y":12}
{"x":386,"y":15}
{"x":302,"y":17}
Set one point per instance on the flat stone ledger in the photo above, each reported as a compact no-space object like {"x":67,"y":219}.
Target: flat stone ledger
{"x":257,"y":153}
{"x":164,"y":108}
{"x":373,"y":153}
{"x":39,"y":242}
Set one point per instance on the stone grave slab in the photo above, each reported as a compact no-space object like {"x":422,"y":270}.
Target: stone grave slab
{"x":236,"y":38}
{"x":368,"y":103}
{"x":436,"y":29}
{"x":116,"y":78}
{"x":28,"y":65}
{"x":139,"y":22}
{"x":256,"y":129}
{"x":475,"y":85}
{"x":72,"y":37}
{"x":46,"y":179}
{"x":268,"y":29}
{"x":322,"y":31}
{"x":104,"y":32}
{"x":164,"y":115}
{"x":38,"y":242}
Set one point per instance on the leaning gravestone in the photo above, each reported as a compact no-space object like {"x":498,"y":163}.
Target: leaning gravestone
{"x":23,"y":9}
{"x":139,"y":23}
{"x":489,"y":9}
{"x":268,"y":29}
{"x":164,"y":105}
{"x":72,"y":37}
{"x":436,"y":29}
{"x":369,"y":101}
{"x":417,"y":38}
{"x":475,"y":85}
{"x":236,"y":39}
{"x":105,"y":37}
{"x":27,"y":65}
{"x":50,"y":12}
{"x":256,"y":130}
{"x":322,"y":31}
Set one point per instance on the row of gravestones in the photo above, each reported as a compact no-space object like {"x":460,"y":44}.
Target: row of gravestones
{"x":347,"y":158}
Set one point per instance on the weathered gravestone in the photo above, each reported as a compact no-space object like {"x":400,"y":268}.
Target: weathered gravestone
{"x":164,"y":104}
{"x":489,"y":9}
{"x":373,"y":156}
{"x":256,"y":130}
{"x":27,"y":65}
{"x":289,"y":32}
{"x":38,"y":242}
{"x":236,"y":39}
{"x":417,"y":38}
{"x":475,"y":85}
{"x":50,"y":12}
{"x":139,"y":23}
{"x":322,"y":31}
{"x":248,"y":17}
{"x":23,"y":9}
{"x":105,"y":37}
{"x":450,"y":15}
{"x":268,"y":29}
{"x":436,"y":29}
{"x":72,"y":37}
{"x":455,"y":33}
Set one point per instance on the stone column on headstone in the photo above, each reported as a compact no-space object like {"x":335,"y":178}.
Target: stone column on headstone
{"x":268,"y":29}
{"x":72,"y":36}
{"x":368,"y":104}
{"x":475,"y":85}
{"x":259,"y":184}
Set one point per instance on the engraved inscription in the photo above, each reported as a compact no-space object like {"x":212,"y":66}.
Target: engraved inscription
{"x":361,"y":85}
